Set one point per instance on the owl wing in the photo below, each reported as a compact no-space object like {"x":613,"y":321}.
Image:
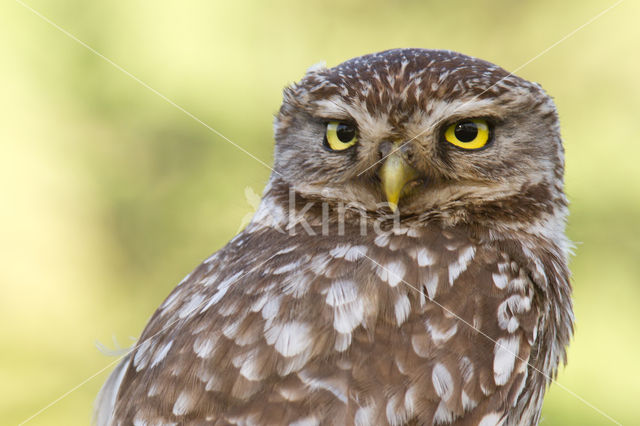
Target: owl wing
{"x":226,"y":344}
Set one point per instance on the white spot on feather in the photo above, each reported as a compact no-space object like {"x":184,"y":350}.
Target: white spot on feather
{"x":440,"y":336}
{"x":442,"y":414}
{"x":286,"y":250}
{"x":290,"y":394}
{"x":461,"y":265}
{"x":271,"y":308}
{"x":231,"y":328}
{"x":251,"y":368}
{"x":215,"y":298}
{"x":286,"y":268}
{"x":382,"y":240}
{"x":505,"y":350}
{"x":214,"y":383}
{"x":468,"y":404}
{"x":142,"y":355}
{"x":259,"y":303}
{"x":402,"y":308}
{"x":425,"y":257}
{"x":421,"y":345}
{"x":466,"y":369}
{"x":139,"y":419}
{"x":294,"y":363}
{"x":340,"y":250}
{"x":343,"y":340}
{"x":230,"y":280}
{"x":183,"y":404}
{"x":365,"y":416}
{"x":348,"y":252}
{"x":222,"y":289}
{"x":431,"y":284}
{"x":507,"y":310}
{"x":392,"y":272}
{"x":289,"y":339}
{"x":512,"y":325}
{"x":203,"y":346}
{"x":518,"y":284}
{"x":209,"y":279}
{"x":394,"y":415}
{"x":154,"y":390}
{"x":491,"y":419}
{"x":294,"y":285}
{"x":348,"y":316}
{"x":319,"y":263}
{"x":341,"y":292}
{"x":500,"y":280}
{"x":307,"y":421}
{"x":336,"y":386}
{"x":411,"y":398}
{"x":191,"y":306}
{"x":521,"y":385}
{"x":161,"y":353}
{"x":442,"y":381}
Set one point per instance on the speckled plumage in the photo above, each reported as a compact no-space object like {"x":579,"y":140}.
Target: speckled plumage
{"x":325,"y":310}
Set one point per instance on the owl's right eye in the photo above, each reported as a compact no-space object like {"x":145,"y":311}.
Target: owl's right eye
{"x":340,"y":136}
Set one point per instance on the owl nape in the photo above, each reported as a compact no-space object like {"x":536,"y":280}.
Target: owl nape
{"x":458,"y":314}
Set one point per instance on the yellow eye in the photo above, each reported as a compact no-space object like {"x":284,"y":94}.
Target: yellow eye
{"x":468,"y":134}
{"x":340,"y":136}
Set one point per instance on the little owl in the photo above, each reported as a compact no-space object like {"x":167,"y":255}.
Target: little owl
{"x":407,"y":263}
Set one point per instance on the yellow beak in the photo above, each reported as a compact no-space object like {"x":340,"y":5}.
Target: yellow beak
{"x":394,"y":174}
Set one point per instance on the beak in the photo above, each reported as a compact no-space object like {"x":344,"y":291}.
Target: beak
{"x":394,"y":174}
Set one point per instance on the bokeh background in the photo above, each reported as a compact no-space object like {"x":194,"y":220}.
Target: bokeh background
{"x":110,"y":195}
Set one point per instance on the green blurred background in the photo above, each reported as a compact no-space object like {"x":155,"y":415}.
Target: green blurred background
{"x":110,"y":195}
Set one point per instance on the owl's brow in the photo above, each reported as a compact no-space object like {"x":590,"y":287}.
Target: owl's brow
{"x":544,"y":51}
{"x":551,"y":379}
{"x":142,"y":83}
{"x":342,"y":114}
{"x":342,"y":108}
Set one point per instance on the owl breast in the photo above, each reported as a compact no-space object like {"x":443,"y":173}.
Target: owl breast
{"x":418,"y":324}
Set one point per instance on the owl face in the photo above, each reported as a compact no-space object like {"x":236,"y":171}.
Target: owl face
{"x":420,"y":130}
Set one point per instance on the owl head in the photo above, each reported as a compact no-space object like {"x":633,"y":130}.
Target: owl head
{"x":422,"y":132}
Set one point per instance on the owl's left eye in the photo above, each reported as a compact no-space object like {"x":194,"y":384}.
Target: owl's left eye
{"x":468,"y":134}
{"x":340,"y":136}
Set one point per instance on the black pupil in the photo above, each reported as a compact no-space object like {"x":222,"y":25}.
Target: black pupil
{"x":466,"y":131}
{"x":345,"y":132}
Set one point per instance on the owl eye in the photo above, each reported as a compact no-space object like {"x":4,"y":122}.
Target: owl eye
{"x":340,"y":136}
{"x":468,"y":134}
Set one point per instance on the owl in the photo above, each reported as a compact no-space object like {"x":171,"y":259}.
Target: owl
{"x":407,"y":263}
